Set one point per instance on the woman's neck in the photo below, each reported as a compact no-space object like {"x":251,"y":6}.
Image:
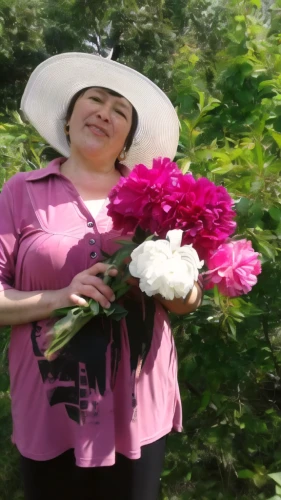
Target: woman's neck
{"x":91,"y":181}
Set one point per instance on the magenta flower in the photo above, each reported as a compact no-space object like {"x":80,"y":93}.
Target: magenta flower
{"x":205,"y":212}
{"x":162,"y":199}
{"x":233,"y":267}
{"x":138,"y":198}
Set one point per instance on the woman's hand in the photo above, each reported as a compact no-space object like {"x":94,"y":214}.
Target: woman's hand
{"x":88,"y":284}
{"x":178,"y":306}
{"x":17,"y":307}
{"x":187,"y":305}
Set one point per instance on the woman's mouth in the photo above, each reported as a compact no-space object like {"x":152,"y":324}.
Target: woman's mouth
{"x":98,"y":131}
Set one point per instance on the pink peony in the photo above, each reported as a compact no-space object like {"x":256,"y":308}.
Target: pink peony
{"x":233,"y":267}
{"x":138,"y":198}
{"x":205,"y":212}
{"x":162,"y":199}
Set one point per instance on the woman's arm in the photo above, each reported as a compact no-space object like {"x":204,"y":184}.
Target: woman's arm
{"x":184,"y":306}
{"x":17,"y":307}
{"x":178,"y":306}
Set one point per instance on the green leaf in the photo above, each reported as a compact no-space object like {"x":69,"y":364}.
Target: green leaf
{"x":167,"y":472}
{"x":188,"y":476}
{"x":120,"y":289}
{"x":193,"y":59}
{"x":276,"y":136}
{"x":108,"y":311}
{"x":245,"y":474}
{"x":257,"y":3}
{"x":65,"y":328}
{"x":4,"y":382}
{"x":223,"y":170}
{"x":267,"y":83}
{"x":275,"y":213}
{"x":259,"y":480}
{"x":240,"y":19}
{"x":201,"y":99}
{"x":242,"y":206}
{"x":276,"y":476}
{"x":63,"y":311}
{"x":205,"y":401}
{"x":184,"y":164}
{"x":232,"y":326}
{"x":267,"y":250}
{"x":116,"y":311}
{"x":118,"y":315}
{"x":95,"y":307}
{"x":236,"y":313}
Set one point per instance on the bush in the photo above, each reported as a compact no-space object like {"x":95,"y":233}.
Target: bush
{"x":229,"y":350}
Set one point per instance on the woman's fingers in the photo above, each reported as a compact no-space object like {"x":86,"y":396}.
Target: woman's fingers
{"x":90,"y":292}
{"x":76,"y":300}
{"x":94,"y":293}
{"x":101,"y":268}
{"x":88,"y":284}
{"x":97,"y":283}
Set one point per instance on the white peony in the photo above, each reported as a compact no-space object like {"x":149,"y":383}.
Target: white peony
{"x":164,"y":267}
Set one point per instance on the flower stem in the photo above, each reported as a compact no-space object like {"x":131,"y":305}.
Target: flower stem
{"x":74,"y":318}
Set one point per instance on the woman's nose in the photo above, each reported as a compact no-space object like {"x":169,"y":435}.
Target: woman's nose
{"x":104,"y":113}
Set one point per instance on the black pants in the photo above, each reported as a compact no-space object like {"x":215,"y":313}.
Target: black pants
{"x":61,"y":479}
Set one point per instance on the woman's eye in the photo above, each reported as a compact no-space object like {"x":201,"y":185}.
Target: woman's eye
{"x":96,"y":99}
{"x":121,"y":113}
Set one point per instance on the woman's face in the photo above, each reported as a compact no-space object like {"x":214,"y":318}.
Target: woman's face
{"x":100,"y":124}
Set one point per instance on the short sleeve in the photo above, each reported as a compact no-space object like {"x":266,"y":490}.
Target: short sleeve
{"x":8,"y":239}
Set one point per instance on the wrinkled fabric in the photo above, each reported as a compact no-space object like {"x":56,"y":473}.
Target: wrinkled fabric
{"x":47,"y":236}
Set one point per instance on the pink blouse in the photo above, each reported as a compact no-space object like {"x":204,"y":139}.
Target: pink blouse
{"x":91,"y":397}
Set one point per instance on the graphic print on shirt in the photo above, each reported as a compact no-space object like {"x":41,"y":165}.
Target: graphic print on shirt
{"x":78,"y":376}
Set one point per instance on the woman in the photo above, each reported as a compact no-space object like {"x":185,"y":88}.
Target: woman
{"x":90,"y":424}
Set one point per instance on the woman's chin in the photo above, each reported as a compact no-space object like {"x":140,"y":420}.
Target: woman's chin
{"x":90,"y":149}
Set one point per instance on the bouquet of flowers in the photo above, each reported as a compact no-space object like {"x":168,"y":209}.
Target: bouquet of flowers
{"x":178,"y":224}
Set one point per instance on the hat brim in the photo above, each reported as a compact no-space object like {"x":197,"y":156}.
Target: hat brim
{"x":55,"y":81}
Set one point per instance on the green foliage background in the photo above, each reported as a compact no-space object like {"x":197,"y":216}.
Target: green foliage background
{"x":220,"y":62}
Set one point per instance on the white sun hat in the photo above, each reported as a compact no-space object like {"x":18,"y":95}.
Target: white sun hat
{"x":55,"y":81}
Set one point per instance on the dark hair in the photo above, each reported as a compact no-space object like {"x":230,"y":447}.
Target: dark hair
{"x":131,"y":134}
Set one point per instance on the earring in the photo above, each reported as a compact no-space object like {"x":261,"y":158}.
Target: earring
{"x":122,"y":155}
{"x":66,"y":129}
